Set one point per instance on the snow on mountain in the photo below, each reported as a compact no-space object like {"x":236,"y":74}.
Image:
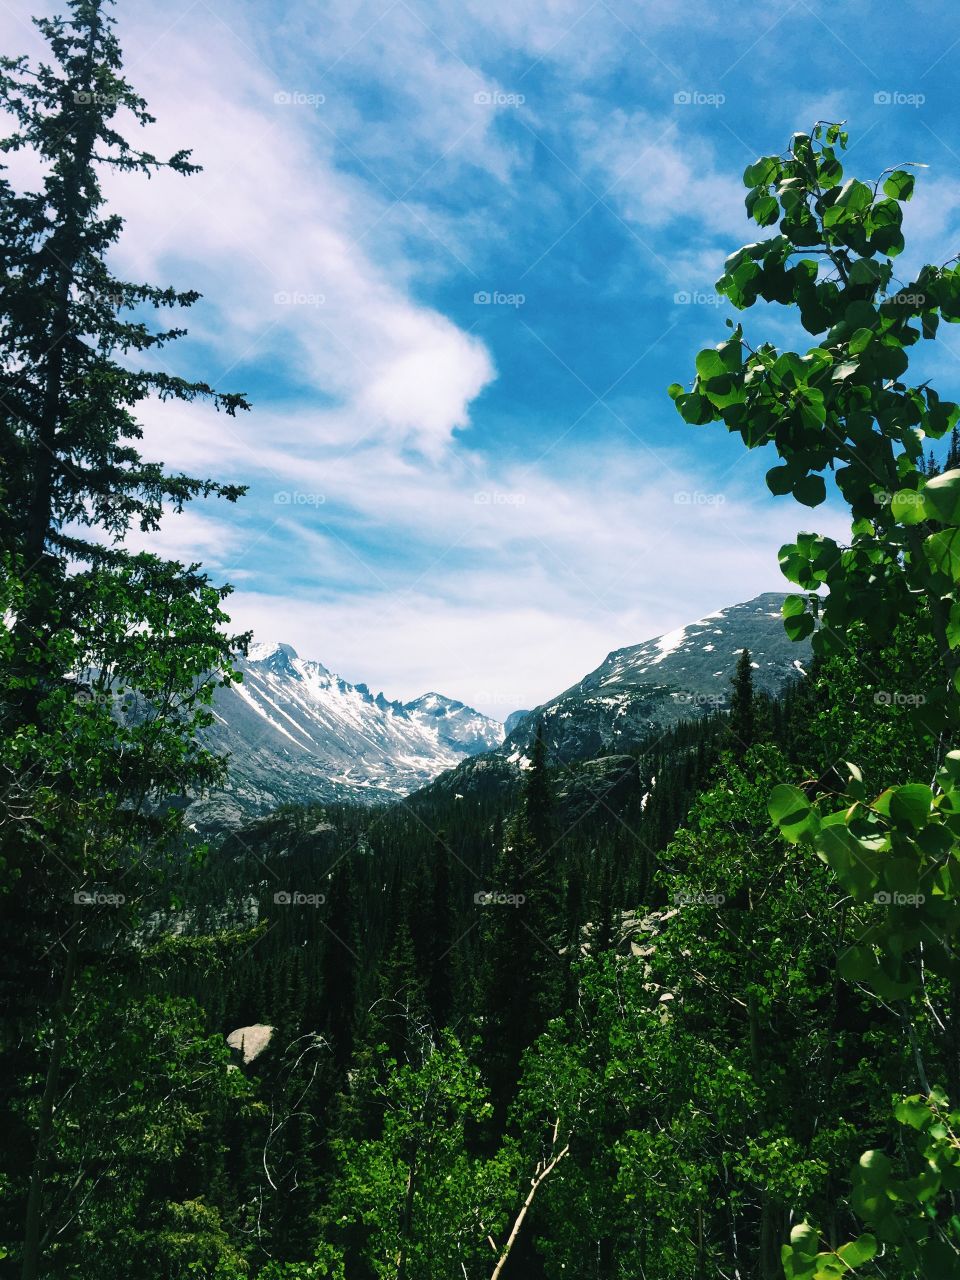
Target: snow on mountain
{"x":462,"y":729}
{"x":297,"y":732}
{"x":676,"y":676}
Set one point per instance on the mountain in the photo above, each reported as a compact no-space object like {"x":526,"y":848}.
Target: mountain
{"x":513,"y":719}
{"x":296,"y":732}
{"x":673,"y":677}
{"x":644,"y":690}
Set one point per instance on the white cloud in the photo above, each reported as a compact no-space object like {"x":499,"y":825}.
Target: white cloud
{"x":382,"y":562}
{"x":271,"y":232}
{"x":192,"y":535}
{"x":661,"y":173}
{"x":523,"y":591}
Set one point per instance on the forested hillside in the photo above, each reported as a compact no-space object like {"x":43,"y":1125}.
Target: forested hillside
{"x":680,"y":1003}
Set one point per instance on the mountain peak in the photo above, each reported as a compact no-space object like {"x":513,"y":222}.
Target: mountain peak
{"x":296,"y":732}
{"x":681,"y":674}
{"x":264,"y":650}
{"x":433,"y":702}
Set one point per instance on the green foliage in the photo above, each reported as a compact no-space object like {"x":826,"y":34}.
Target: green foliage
{"x":413,"y":1200}
{"x":845,"y":406}
{"x":108,"y":659}
{"x":911,"y":1213}
{"x":144,"y":1089}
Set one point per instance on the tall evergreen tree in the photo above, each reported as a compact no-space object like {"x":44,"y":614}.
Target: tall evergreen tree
{"x":523,"y":938}
{"x":84,"y":777}
{"x":742,"y":723}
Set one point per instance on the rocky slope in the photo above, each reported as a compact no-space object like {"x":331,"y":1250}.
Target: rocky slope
{"x":297,"y":733}
{"x":673,"y":677}
{"x":643,"y":689}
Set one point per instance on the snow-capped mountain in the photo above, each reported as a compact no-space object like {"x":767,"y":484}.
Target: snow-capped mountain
{"x":676,"y":676}
{"x":636,"y":692}
{"x":296,"y":732}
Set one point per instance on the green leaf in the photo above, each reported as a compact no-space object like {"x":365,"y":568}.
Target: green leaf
{"x":805,"y":1239}
{"x":913,"y":1111}
{"x":875,"y":1167}
{"x":953,"y":625}
{"x":942,"y":497}
{"x":899,"y":185}
{"x":943,"y":553}
{"x":853,"y":862}
{"x":868,"y":271}
{"x":810,"y":490}
{"x":765,"y":211}
{"x":858,"y":964}
{"x":909,"y":507}
{"x":710,"y":364}
{"x":780,"y":480}
{"x":854,"y":198}
{"x":762,"y":172}
{"x":791,"y":811}
{"x":910,"y":805}
{"x":799,"y":626}
{"x":831,"y":172}
{"x":695,"y":409}
{"x":858,"y":1251}
{"x":793,"y":605}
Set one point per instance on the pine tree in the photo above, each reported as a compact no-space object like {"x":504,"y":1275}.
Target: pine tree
{"x":443,"y":938}
{"x":605,"y":921}
{"x":523,"y":939}
{"x":85,"y":775}
{"x":742,"y":721}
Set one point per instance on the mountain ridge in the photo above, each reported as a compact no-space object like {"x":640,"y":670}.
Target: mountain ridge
{"x":299,"y":733}
{"x":641,"y":691}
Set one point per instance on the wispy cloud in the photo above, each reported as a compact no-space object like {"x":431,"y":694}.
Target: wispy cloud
{"x":478,"y":495}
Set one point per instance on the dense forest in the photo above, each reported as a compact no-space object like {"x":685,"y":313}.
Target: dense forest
{"x":700,"y":1021}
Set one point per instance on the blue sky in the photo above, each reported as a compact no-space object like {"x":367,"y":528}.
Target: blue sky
{"x":456,"y":253}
